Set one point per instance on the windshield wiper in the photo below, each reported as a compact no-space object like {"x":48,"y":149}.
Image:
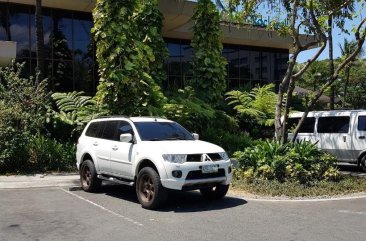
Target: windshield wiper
{"x":175,"y":138}
{"x":155,"y":139}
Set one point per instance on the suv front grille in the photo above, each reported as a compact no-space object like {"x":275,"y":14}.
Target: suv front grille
{"x":197,"y":157}
{"x":194,"y":158}
{"x":193,"y":175}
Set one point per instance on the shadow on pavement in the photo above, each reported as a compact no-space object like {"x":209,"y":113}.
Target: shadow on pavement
{"x":352,"y":170}
{"x":177,"y":202}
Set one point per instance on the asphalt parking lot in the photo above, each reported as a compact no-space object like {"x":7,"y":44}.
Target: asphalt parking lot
{"x":55,"y":213}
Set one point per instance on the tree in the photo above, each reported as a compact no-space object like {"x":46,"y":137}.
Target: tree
{"x":126,"y":35}
{"x":209,"y":66}
{"x":310,"y":17}
{"x":346,"y":49}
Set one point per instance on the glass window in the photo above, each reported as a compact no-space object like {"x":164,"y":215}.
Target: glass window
{"x":244,"y":57}
{"x":233,"y":60}
{"x":62,"y":35}
{"x":93,"y":129}
{"x":123,"y":128}
{"x":160,"y":131}
{"x":62,"y":76}
{"x":3,"y":21}
{"x":109,"y":129}
{"x":361,"y":123}
{"x":83,"y":48}
{"x":307,"y":126}
{"x":47,"y":30}
{"x":339,"y":124}
{"x":19,"y":29}
{"x":255,"y":66}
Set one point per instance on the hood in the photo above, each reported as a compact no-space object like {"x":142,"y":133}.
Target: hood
{"x":186,"y":147}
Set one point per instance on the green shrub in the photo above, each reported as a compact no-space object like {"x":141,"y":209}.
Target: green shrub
{"x":47,"y":154}
{"x":23,"y":107}
{"x":229,"y":141}
{"x":301,"y":162}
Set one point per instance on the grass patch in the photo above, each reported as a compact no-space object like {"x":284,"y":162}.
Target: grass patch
{"x":346,"y":185}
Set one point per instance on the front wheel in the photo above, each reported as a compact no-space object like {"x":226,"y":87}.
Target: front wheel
{"x":149,"y":190}
{"x":215,"y":192}
{"x":363,"y":163}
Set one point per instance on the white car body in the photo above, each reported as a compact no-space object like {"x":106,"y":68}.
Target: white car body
{"x":122,"y":161}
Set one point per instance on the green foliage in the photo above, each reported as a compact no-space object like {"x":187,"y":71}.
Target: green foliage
{"x":258,"y":103}
{"x":301,"y":162}
{"x":231,"y":142}
{"x":209,"y":67}
{"x":23,"y":107}
{"x":75,"y":110}
{"x":46,"y":154}
{"x":130,"y":54}
{"x":188,"y":110}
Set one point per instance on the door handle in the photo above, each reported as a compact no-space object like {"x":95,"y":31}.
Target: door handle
{"x":362,"y":137}
{"x":95,"y":143}
{"x":344,"y":138}
{"x":115,"y":148}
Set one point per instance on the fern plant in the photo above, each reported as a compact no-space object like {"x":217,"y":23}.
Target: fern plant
{"x":75,"y":109}
{"x":259,"y":103}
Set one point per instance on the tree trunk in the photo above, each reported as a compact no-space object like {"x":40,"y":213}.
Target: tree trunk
{"x":39,"y":42}
{"x":331,"y":61}
{"x":290,"y":91}
{"x":347,"y":70}
{"x":281,"y":91}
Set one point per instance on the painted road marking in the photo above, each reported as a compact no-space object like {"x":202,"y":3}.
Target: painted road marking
{"x":104,"y":209}
{"x":352,"y":212}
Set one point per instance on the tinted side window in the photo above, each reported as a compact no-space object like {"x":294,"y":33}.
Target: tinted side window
{"x":109,"y":129}
{"x":93,"y":129}
{"x":361,"y":123}
{"x":338,"y":124}
{"x":123,"y":128}
{"x":307,"y":127}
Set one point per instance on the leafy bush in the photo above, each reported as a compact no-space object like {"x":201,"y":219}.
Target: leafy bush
{"x":46,"y":154}
{"x":301,"y":162}
{"x":23,"y":107}
{"x":229,"y":141}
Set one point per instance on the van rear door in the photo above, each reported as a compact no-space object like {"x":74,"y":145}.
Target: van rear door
{"x":359,"y":135}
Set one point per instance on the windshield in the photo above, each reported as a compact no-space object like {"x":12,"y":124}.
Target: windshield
{"x":161,"y":131}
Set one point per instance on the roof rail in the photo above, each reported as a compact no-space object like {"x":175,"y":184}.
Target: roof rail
{"x":112,"y":116}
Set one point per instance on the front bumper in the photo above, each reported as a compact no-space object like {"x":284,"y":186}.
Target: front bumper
{"x":192,"y":176}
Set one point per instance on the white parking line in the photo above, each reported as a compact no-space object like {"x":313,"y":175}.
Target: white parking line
{"x":352,"y":212}
{"x":104,"y":209}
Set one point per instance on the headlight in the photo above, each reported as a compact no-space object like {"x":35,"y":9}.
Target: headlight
{"x":175,"y":158}
{"x":224,"y":156}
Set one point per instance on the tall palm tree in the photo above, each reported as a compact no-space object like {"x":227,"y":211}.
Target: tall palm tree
{"x":347,"y":48}
{"x":39,"y":41}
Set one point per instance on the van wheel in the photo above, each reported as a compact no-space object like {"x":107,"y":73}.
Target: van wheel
{"x":363,"y":163}
{"x":216,"y":192}
{"x":88,"y":177}
{"x":149,"y":190}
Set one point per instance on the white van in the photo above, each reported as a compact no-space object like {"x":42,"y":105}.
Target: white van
{"x":341,"y":133}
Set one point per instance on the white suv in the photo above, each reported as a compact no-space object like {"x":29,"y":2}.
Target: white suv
{"x":153,"y":154}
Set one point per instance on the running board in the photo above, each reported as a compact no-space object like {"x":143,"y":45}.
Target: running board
{"x":116,"y":180}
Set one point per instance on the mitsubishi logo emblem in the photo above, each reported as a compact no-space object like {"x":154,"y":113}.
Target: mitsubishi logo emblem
{"x":206,"y":158}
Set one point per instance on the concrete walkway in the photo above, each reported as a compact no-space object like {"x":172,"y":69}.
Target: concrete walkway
{"x":39,"y":181}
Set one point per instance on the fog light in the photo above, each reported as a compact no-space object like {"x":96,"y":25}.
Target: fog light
{"x":177,"y":174}
{"x":229,"y":169}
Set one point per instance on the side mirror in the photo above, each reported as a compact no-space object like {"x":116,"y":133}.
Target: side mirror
{"x":126,"y":137}
{"x":195,"y":136}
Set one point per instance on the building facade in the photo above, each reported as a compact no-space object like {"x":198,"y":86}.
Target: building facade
{"x":255,"y":56}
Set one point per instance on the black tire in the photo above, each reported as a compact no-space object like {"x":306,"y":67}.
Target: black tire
{"x":216,"y":192}
{"x":88,"y":177}
{"x":150,"y":193}
{"x":362,"y":163}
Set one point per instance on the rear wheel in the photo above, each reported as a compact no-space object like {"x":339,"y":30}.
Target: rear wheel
{"x":215,"y":192}
{"x":149,"y":190}
{"x":363,"y":163}
{"x":88,"y":177}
